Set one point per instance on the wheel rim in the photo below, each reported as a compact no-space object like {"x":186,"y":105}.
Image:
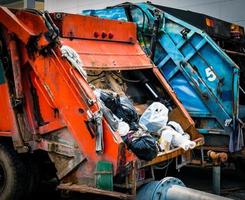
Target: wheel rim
{"x":2,"y":177}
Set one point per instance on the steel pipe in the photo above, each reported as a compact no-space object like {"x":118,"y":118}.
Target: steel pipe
{"x":177,"y":192}
{"x":217,"y":159}
{"x":216,"y":179}
{"x":171,"y":188}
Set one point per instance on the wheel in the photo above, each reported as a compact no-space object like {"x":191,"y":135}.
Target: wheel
{"x":12,"y":174}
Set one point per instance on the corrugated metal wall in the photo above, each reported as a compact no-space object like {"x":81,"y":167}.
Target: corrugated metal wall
{"x":228,"y":10}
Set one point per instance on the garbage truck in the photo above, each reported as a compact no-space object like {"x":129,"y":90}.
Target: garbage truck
{"x":203,"y":76}
{"x":74,"y":93}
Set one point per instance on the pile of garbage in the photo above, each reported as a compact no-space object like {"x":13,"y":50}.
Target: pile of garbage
{"x":148,"y":134}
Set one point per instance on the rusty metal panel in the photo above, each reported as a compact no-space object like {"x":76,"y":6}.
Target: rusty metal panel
{"x":87,"y":189}
{"x":98,"y":55}
{"x":165,"y":156}
{"x":77,"y":26}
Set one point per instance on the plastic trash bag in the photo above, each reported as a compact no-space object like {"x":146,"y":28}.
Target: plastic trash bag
{"x":121,"y":106}
{"x":165,"y":139}
{"x":180,"y":141}
{"x":142,"y":144}
{"x":110,"y":99}
{"x":126,"y":111}
{"x":176,"y":126}
{"x":154,"y":118}
{"x":169,"y":135}
{"x":110,"y":117}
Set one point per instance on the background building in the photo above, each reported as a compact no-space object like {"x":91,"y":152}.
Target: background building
{"x":38,"y":4}
{"x":228,"y":10}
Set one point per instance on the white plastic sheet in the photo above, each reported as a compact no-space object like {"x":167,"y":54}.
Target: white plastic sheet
{"x":176,"y":139}
{"x":154,"y":118}
{"x":166,"y":138}
{"x":176,"y":127}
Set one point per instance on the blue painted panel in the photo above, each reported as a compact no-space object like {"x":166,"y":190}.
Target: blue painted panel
{"x":116,"y":13}
{"x":187,"y":95}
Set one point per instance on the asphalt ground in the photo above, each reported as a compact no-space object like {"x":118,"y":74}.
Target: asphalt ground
{"x":232,"y":181}
{"x":232,"y":184}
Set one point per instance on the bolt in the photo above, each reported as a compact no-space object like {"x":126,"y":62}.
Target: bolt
{"x":103,"y":35}
{"x":58,"y":15}
{"x":96,"y":34}
{"x":131,"y":39}
{"x":80,"y":110}
{"x":111,"y":35}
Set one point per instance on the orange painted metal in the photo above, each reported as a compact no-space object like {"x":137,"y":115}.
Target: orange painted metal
{"x":93,"y":28}
{"x":8,"y":123}
{"x":16,"y":69}
{"x":105,"y":55}
{"x":6,"y":133}
{"x":20,"y":24}
{"x":51,"y":126}
{"x":58,"y":87}
{"x":6,"y":118}
{"x":119,"y":52}
{"x":69,"y":101}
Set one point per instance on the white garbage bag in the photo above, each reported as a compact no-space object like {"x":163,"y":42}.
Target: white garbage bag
{"x":154,"y":118}
{"x":176,"y":126}
{"x":123,"y":128}
{"x":170,"y":137}
{"x":165,"y":139}
{"x":181,"y":141}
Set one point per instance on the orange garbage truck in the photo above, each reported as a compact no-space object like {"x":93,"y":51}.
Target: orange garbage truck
{"x":60,"y":76}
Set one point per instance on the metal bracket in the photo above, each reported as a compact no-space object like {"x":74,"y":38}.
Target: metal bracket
{"x":184,"y":160}
{"x":59,"y":148}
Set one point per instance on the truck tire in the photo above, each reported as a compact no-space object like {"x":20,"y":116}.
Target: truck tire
{"x":12,"y":174}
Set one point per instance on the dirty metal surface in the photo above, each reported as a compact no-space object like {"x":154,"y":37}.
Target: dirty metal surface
{"x":168,"y":155}
{"x":107,"y":55}
{"x":86,"y":189}
{"x":78,"y":26}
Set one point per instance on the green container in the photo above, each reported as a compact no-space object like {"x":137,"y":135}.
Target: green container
{"x":104,"y":175}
